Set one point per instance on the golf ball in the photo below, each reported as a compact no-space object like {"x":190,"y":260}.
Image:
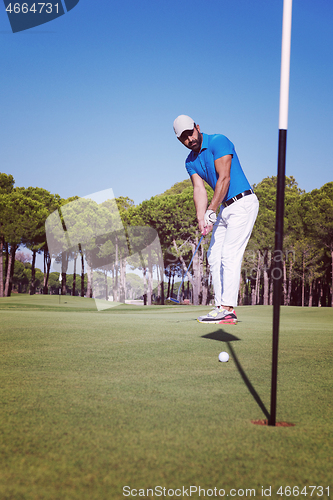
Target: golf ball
{"x":223,"y":357}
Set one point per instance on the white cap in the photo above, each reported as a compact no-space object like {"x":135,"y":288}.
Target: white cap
{"x":181,"y":123}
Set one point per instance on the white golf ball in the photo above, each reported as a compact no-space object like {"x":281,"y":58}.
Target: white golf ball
{"x":223,"y":357}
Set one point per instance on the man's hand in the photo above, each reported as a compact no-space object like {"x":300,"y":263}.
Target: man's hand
{"x":210,"y":217}
{"x":203,"y":228}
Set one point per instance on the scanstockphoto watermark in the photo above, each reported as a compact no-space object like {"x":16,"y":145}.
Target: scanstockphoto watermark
{"x":267,"y":262}
{"x":27,"y":14}
{"x":255,"y":263}
{"x":176,"y":252}
{"x":87,"y":236}
{"x":187,"y":492}
{"x":270,"y":255}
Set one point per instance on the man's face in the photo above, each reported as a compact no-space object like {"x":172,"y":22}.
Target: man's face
{"x":192,"y":139}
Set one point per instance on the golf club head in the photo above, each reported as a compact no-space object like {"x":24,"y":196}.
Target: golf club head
{"x":173,"y":300}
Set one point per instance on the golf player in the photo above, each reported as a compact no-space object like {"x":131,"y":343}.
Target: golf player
{"x":213,"y":159}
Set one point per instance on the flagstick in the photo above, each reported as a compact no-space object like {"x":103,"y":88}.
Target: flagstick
{"x":281,"y":175}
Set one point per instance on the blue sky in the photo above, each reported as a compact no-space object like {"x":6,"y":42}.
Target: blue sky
{"x":88,"y":100}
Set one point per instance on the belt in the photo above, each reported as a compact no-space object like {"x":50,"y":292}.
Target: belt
{"x":237,"y":197}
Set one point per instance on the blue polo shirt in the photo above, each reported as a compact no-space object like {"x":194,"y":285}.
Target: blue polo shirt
{"x":202,"y":163}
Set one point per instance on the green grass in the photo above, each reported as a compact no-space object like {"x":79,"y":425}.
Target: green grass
{"x":94,"y":401}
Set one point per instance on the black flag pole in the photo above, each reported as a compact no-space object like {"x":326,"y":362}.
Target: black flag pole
{"x":277,"y":271}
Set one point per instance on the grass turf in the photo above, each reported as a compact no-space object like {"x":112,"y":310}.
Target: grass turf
{"x":94,"y":401}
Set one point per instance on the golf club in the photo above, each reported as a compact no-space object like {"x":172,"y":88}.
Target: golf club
{"x":177,"y":301}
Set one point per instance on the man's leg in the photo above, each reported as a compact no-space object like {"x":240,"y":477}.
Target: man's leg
{"x":229,"y":239}
{"x":214,"y":256}
{"x":239,"y":218}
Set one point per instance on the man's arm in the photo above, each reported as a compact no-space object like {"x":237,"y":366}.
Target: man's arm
{"x":222,"y":166}
{"x":200,"y":200}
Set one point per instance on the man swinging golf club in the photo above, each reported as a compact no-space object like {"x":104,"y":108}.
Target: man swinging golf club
{"x":213,"y":158}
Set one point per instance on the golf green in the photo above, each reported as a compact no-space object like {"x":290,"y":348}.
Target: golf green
{"x":110,"y":404}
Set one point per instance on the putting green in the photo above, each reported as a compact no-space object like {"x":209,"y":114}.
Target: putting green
{"x":135,"y":396}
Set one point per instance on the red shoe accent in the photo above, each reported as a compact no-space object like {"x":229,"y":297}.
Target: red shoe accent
{"x":228,"y":320}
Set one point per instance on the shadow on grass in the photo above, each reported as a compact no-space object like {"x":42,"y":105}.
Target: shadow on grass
{"x":222,"y":336}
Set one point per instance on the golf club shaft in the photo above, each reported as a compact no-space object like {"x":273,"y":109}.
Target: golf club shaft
{"x":178,"y":294}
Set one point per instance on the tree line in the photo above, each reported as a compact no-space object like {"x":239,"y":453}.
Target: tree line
{"x":307,"y":256}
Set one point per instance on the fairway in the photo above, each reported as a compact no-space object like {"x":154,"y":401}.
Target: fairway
{"x":133,"y":396}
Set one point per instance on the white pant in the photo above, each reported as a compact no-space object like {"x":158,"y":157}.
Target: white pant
{"x":231,"y":234}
